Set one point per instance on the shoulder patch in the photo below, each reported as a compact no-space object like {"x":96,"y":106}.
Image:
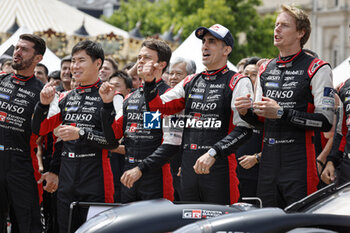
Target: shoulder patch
{"x":127,"y":96}
{"x":263,"y":66}
{"x":234,"y":80}
{"x":63,"y":94}
{"x":314,"y":66}
{"x":340,"y":86}
{"x":189,"y":78}
{"x":118,"y":93}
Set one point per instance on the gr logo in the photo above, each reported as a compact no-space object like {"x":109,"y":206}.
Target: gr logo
{"x":191,"y":214}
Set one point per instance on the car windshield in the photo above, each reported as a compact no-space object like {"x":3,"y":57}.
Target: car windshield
{"x":337,"y":203}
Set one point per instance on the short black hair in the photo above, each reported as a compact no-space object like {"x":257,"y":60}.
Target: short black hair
{"x":39,"y":43}
{"x":56,"y":75}
{"x":162,"y":48}
{"x":93,"y":49}
{"x":46,"y":70}
{"x":252,"y":61}
{"x":124,"y":76}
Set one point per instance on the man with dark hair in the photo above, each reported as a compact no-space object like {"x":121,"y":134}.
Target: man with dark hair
{"x":19,"y":93}
{"x":85,"y":173}
{"x":208,"y":165}
{"x":108,"y":68}
{"x":122,"y":82}
{"x":65,"y":74}
{"x":41,"y":72}
{"x":146,"y":148}
{"x":297,"y":99}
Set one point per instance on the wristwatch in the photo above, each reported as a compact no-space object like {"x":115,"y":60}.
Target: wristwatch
{"x":212,"y":153}
{"x":257,"y":157}
{"x":280,"y":112}
{"x":81,"y":133}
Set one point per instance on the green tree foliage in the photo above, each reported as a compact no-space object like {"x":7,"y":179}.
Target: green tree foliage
{"x":240,"y":16}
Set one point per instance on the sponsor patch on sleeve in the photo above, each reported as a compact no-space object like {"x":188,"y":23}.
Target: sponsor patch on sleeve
{"x":328,"y":92}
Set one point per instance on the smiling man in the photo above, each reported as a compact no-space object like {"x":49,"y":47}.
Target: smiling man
{"x":85,"y":173}
{"x":298,"y":98}
{"x":208,"y":165}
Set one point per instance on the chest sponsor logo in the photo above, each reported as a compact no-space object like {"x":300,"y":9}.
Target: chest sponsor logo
{"x":21,"y":102}
{"x":275,"y":72}
{"x":203,"y":107}
{"x":198,"y":90}
{"x":75,"y":97}
{"x":24,"y":91}
{"x":294,"y":72}
{"x":276,"y":94}
{"x":133,"y":101}
{"x":21,"y":95}
{"x":191,"y":214}
{"x":151,"y":120}
{"x":70,"y":103}
{"x":11,"y":107}
{"x":195,"y":96}
{"x":135,"y":116}
{"x":290,"y":85}
{"x":3,"y":96}
{"x":132,"y":107}
{"x":7,"y":84}
{"x":213,"y":91}
{"x":89,"y":109}
{"x":201,"y":85}
{"x":133,"y":128}
{"x":219,"y":86}
{"x":271,"y":84}
{"x":273,"y":78}
{"x":93,"y":98}
{"x":78,"y":117}
{"x":72,"y":109}
{"x":3,"y":116}
{"x":348,"y":121}
{"x":289,"y":78}
{"x":213,"y":97}
{"x":89,"y":103}
{"x":5,"y":90}
{"x":328,"y":92}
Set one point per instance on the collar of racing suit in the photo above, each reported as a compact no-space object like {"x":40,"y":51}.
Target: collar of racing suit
{"x":88,"y":88}
{"x":21,"y":78}
{"x":214,"y":72}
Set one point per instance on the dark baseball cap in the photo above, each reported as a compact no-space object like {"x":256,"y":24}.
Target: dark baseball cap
{"x":218,"y":31}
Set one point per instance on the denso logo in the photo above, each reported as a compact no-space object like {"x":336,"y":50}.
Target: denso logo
{"x":78,"y":117}
{"x":135,"y":116}
{"x":203,"y":107}
{"x":11,"y":107}
{"x":279,"y":94}
{"x":294,"y":72}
